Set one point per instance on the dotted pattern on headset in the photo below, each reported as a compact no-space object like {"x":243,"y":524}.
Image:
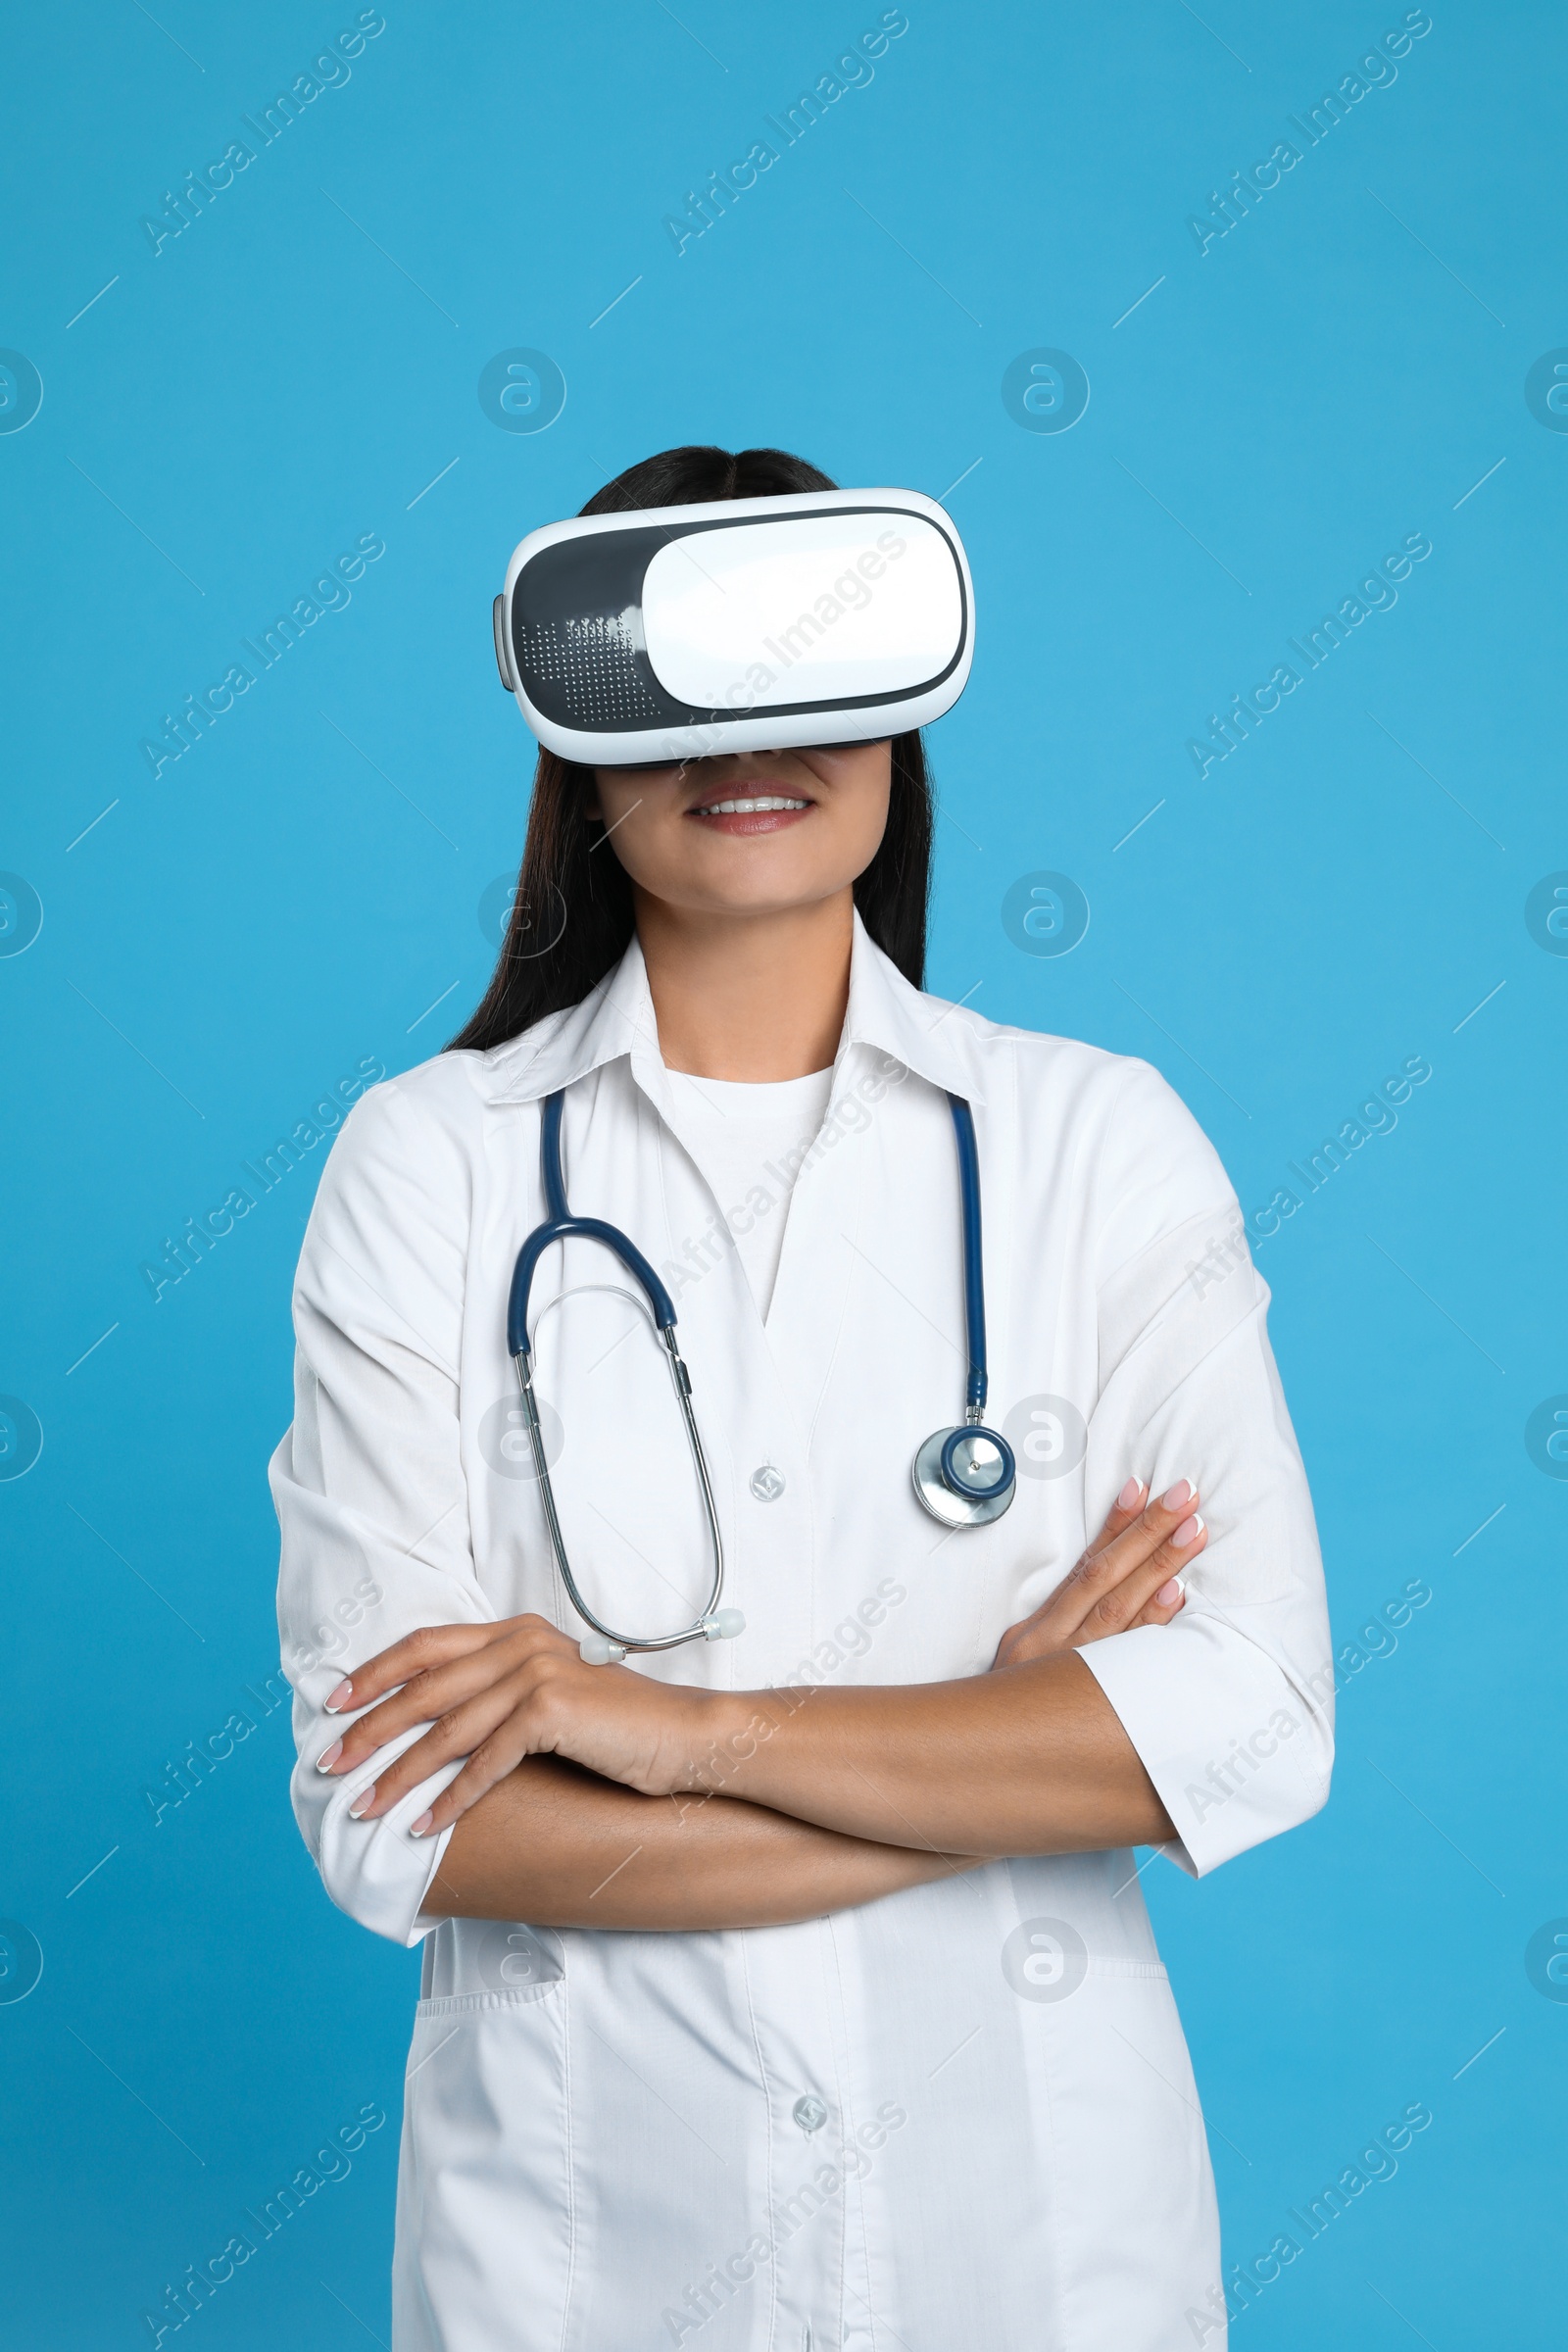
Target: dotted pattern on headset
{"x":595,"y":662}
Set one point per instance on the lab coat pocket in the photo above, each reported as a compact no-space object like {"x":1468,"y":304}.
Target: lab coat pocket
{"x":487,"y":2205}
{"x":475,"y":2004}
{"x":474,"y":1957}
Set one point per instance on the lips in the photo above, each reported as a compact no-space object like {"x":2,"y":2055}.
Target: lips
{"x":749,"y":812}
{"x":759,"y":804}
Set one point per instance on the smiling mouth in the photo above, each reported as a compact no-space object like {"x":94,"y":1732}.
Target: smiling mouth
{"x":760,"y":804}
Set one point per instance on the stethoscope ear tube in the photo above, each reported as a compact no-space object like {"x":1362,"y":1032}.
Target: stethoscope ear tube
{"x":588,"y":1229}
{"x":560,"y":1225}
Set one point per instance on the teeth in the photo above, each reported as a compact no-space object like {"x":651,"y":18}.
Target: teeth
{"x":763,"y":804}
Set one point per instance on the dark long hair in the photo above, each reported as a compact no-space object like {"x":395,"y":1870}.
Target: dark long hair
{"x":571,"y":919}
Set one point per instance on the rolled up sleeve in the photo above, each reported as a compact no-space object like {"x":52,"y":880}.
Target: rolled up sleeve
{"x":368,"y":1483}
{"x":1231,"y":1706}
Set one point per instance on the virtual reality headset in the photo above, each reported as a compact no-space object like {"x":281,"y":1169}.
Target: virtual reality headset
{"x":673,"y":633}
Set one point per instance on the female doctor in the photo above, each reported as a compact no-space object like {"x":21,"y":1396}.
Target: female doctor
{"x":792,"y":1990}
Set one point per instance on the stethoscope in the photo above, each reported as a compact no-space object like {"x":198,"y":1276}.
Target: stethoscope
{"x":965,"y":1477}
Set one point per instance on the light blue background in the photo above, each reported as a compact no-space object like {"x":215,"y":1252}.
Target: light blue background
{"x":230,"y":939}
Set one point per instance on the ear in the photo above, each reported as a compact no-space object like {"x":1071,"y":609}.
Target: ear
{"x":592,"y":807}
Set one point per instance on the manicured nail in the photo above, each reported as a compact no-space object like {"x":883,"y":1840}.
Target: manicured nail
{"x":330,"y":1756}
{"x":364,"y":1801}
{"x":417,"y":1829}
{"x":1186,"y":1534}
{"x":1182,"y":1492}
{"x":1131,"y":1495}
{"x":1169,"y":1594}
{"x":339,"y":1698}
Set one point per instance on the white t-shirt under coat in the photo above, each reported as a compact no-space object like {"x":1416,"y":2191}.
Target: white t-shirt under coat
{"x":749,"y":1140}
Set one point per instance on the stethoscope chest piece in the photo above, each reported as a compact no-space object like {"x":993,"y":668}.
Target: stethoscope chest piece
{"x":965,"y":1477}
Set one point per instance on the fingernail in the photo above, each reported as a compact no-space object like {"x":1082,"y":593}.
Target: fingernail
{"x":1128,"y":1498}
{"x":1169,"y":1594}
{"x":1182,"y":1492}
{"x":364,"y":1801}
{"x":417,"y":1829}
{"x":1188,"y":1533}
{"x":330,"y":1756}
{"x":339,"y":1698}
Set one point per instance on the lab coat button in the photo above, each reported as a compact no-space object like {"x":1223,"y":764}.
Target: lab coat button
{"x":767,"y":1484}
{"x":809,"y":2113}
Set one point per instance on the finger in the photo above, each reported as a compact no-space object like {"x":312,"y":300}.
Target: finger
{"x":1165,"y":1605}
{"x":516,"y":1644}
{"x":1117,"y":1610}
{"x":1064,"y":1614}
{"x":1098,"y":1573}
{"x":1149,"y":1528}
{"x":460,"y":1732}
{"x":490,"y":1762}
{"x":425,"y":1698}
{"x":434,"y":1645}
{"x":431,"y":1645}
{"x":1123,"y":1512}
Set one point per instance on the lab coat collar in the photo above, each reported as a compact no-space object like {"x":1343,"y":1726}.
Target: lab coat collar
{"x":935,"y":1040}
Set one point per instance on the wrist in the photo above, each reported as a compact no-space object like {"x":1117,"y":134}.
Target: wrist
{"x":728,"y":1730}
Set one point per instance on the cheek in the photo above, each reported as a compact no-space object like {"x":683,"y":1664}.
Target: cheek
{"x":627,"y":804}
{"x":870,"y":822}
{"x":871,"y":805}
{"x":643,"y":829}
{"x":859,"y":784}
{"x":609,"y":792}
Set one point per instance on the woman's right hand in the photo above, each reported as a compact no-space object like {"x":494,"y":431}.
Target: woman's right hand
{"x":1127,"y":1577}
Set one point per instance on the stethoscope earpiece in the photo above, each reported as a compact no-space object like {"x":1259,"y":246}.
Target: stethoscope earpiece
{"x":595,"y":1651}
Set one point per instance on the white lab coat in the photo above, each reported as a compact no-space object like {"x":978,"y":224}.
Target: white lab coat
{"x":963,"y":2115}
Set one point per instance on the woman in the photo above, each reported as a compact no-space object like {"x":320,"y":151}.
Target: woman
{"x":836,"y":2019}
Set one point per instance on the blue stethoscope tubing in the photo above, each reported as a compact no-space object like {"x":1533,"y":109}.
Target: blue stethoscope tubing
{"x":965,"y":1476}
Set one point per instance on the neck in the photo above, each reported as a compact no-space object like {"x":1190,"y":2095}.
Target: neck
{"x":757,"y":998}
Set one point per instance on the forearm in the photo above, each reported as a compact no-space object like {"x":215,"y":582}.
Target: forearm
{"x":557,"y":1846}
{"x":1029,"y":1759}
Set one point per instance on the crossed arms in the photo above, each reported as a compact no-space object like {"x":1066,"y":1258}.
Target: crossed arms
{"x":595,"y":1796}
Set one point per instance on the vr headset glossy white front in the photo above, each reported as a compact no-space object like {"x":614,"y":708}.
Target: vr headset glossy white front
{"x":675,"y":633}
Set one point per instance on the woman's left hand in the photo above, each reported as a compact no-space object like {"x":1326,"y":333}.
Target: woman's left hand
{"x":1127,"y":1577}
{"x":496,"y":1693}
